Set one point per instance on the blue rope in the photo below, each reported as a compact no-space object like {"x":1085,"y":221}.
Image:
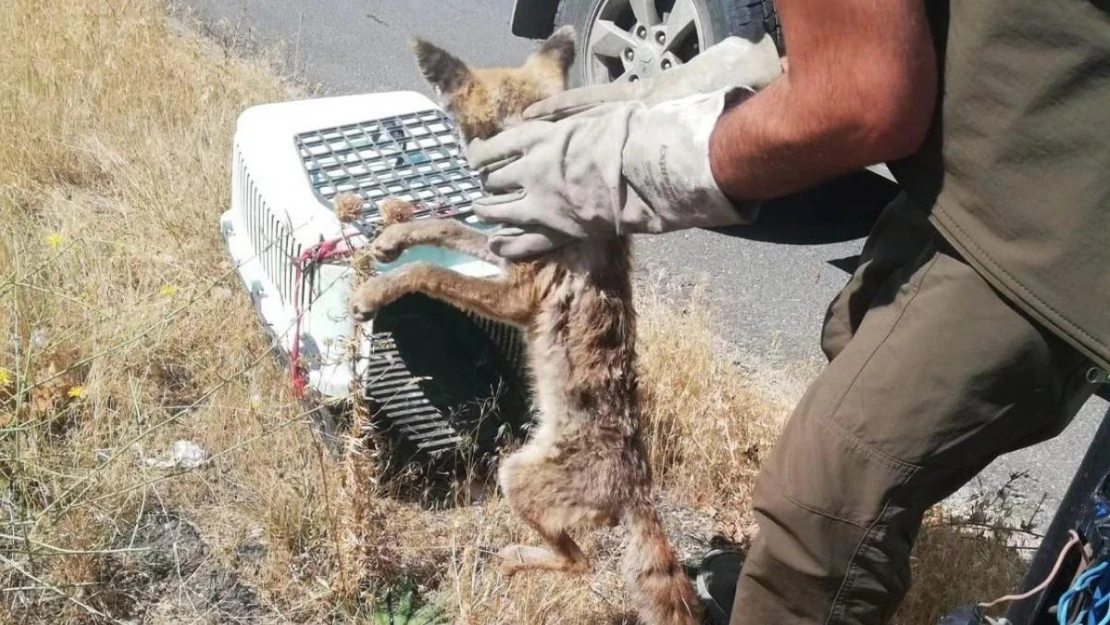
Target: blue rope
{"x":1100,"y":601}
{"x":1083,"y":585}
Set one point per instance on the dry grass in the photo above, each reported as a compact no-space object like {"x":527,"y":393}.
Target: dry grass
{"x":709,"y":428}
{"x":125,"y":332}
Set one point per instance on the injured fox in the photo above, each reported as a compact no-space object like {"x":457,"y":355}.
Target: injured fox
{"x":585,"y":465}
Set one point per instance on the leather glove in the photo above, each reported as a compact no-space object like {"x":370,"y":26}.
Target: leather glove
{"x":614,"y":160}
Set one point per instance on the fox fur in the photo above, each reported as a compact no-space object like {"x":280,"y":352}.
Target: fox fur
{"x":585,"y":465}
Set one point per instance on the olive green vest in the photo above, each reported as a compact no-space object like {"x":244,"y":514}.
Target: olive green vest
{"x":1016,"y":170}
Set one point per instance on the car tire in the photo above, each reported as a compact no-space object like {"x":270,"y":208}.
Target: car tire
{"x":751,"y":19}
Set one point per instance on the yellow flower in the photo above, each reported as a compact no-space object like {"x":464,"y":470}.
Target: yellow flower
{"x":168,"y":290}
{"x":77,"y":392}
{"x":256,"y":402}
{"x":5,"y":377}
{"x":54,"y":240}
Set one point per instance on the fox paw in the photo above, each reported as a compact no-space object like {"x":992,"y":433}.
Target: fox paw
{"x":369,"y":298}
{"x":517,"y":558}
{"x":389,"y":244}
{"x":513,"y":559}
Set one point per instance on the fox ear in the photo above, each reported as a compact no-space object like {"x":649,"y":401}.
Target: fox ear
{"x":446,"y":72}
{"x":559,"y":47}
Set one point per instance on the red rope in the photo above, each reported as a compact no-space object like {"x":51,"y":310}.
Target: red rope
{"x":314,"y":255}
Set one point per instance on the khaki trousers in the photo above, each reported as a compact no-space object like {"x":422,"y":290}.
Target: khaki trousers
{"x":931,"y":376}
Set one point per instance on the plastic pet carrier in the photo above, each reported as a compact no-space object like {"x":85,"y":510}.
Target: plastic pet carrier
{"x":438,"y":382}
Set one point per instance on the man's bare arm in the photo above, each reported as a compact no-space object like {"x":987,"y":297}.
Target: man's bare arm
{"x":860,"y":90}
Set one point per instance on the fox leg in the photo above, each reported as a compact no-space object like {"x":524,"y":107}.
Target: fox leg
{"x":540,"y":494}
{"x":493,"y":299}
{"x":565,"y":556}
{"x":449,"y":233}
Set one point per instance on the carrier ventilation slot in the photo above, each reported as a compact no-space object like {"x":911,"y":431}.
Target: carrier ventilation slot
{"x":415,"y":157}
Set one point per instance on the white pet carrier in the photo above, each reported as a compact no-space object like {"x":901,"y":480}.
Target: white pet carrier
{"x":428,"y":369}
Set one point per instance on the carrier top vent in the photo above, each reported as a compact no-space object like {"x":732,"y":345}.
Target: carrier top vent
{"x":415,"y":157}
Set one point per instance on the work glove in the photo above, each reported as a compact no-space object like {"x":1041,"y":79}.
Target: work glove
{"x":613,"y":160}
{"x":734,"y":62}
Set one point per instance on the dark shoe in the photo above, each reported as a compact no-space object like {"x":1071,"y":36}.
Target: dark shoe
{"x":715,"y":583}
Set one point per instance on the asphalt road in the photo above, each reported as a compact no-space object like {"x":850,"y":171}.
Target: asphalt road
{"x":770,"y":296}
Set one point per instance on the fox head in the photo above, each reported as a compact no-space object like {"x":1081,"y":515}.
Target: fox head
{"x":482,"y":101}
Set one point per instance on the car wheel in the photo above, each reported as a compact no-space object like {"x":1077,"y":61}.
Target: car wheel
{"x":629,"y":40}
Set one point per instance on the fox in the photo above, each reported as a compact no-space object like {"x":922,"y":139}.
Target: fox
{"x":585,"y":464}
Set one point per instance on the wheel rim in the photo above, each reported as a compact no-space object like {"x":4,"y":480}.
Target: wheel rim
{"x":631,"y":40}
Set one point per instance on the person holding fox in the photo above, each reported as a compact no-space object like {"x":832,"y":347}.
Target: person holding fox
{"x":974,"y":324}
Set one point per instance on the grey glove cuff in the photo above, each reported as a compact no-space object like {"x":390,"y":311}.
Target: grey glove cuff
{"x":665,"y":165}
{"x":731,"y":63}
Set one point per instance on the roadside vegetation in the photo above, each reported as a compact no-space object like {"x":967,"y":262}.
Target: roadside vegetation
{"x":154,"y":466}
